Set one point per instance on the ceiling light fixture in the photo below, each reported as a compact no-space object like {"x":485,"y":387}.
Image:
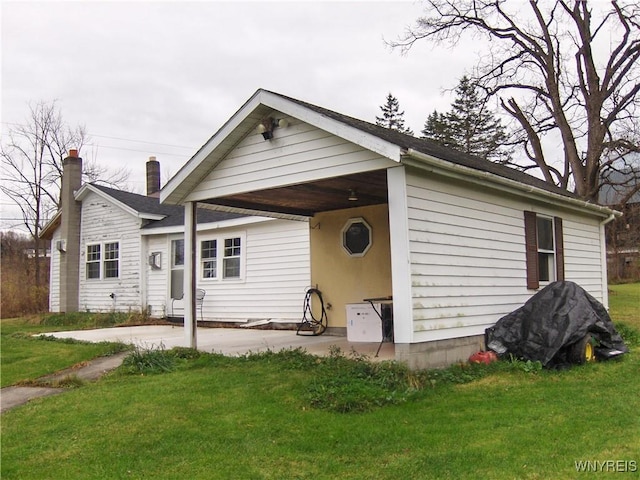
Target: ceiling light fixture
{"x":353,"y":197}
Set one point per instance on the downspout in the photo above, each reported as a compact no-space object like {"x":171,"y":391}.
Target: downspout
{"x":603,"y":259}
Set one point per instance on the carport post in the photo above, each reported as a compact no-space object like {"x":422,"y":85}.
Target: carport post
{"x":190,"y":326}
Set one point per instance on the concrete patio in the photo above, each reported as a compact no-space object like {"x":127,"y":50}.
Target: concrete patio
{"x":228,"y":341}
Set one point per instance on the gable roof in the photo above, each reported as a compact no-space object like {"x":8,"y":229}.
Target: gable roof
{"x":139,"y":205}
{"x":164,"y":215}
{"x":149,"y":208}
{"x":386,"y":142}
{"x":429,"y":147}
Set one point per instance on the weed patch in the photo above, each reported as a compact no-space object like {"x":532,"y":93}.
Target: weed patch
{"x":68,"y":381}
{"x":146,"y":361}
{"x":629,"y":334}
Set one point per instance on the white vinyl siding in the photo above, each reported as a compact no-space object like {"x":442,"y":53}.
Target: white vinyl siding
{"x":467,"y":251}
{"x":54,"y":274}
{"x":157,"y":279}
{"x":302,"y":153}
{"x":104,"y":223}
{"x":275,"y":275}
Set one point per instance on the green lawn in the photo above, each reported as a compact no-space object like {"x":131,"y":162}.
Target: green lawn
{"x":624,"y":303}
{"x":216,"y":417}
{"x":24,"y":357}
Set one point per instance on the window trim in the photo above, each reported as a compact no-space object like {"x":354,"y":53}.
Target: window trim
{"x":213,"y":260}
{"x":107,"y":260}
{"x":102,"y":260}
{"x":222,"y":257}
{"x":532,"y":251}
{"x":232,"y":256}
{"x":94,"y":261}
{"x":343,"y":240}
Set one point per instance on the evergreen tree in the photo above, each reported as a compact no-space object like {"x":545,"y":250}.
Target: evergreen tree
{"x":470,"y":126}
{"x":437,"y":129}
{"x":392,"y":117}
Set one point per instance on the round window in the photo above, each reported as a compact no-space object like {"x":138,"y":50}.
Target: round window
{"x":356,"y":237}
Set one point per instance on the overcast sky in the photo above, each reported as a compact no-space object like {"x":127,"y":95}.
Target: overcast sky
{"x":159,"y":78}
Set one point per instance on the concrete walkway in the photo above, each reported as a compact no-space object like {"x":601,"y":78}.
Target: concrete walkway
{"x":90,"y":371}
{"x":228,"y":341}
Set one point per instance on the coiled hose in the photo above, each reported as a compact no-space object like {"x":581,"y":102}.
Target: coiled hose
{"x":310,"y":324}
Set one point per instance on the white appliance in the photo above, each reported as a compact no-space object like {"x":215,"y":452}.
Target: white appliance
{"x":363,"y":323}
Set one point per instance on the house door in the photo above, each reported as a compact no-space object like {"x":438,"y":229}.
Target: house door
{"x":177,"y":269}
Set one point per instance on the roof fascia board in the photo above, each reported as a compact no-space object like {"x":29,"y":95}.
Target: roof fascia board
{"x":169,"y":192}
{"x":203,"y":227}
{"x":48,"y":229}
{"x":430,"y":163}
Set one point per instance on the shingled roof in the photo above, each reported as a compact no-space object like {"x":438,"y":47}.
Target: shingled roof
{"x":173,"y":214}
{"x":430,"y":147}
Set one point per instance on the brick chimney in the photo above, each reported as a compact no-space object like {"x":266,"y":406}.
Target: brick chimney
{"x":70,"y":232}
{"x":153,"y":178}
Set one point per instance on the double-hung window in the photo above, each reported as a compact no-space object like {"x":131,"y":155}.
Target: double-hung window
{"x":209,"y":258}
{"x":111,"y":260}
{"x":93,"y":261}
{"x":544,"y":249}
{"x":222,"y":258}
{"x":103,"y":260}
{"x":231,"y":262}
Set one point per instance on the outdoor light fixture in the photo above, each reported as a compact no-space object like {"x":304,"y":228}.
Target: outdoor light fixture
{"x":353,"y":197}
{"x":265,"y":128}
{"x":269,"y":124}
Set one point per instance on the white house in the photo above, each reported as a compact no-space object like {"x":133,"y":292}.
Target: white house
{"x":128,"y":255}
{"x":452,"y":241}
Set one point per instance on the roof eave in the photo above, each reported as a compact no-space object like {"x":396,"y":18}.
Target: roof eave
{"x":52,"y":225}
{"x":424,"y":161}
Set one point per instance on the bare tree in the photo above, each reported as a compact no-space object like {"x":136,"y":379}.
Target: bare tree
{"x":32,"y":158}
{"x":566,"y":71}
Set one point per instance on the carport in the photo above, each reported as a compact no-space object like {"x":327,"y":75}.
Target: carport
{"x":283,"y":158}
{"x":447,"y":240}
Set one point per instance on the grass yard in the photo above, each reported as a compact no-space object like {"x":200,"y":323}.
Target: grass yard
{"x":24,"y":357}
{"x":252,"y":417}
{"x":624,"y":301}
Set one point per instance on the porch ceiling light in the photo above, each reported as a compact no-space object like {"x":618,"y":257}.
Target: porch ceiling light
{"x":353,"y":196}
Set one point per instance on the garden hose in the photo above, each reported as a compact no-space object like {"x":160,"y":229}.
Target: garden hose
{"x":311,"y":325}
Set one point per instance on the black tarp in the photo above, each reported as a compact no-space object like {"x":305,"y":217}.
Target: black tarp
{"x":554,"y":319}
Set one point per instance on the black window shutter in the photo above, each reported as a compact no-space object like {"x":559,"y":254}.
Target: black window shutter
{"x":557,"y":222}
{"x":531,"y":245}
